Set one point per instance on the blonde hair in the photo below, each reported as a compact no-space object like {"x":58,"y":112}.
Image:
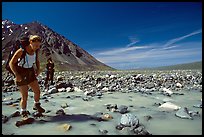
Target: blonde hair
{"x":35,"y":38}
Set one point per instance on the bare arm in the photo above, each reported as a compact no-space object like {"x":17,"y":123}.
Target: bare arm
{"x":14,"y":60}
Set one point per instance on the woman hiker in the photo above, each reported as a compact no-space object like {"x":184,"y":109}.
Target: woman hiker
{"x":25,"y":74}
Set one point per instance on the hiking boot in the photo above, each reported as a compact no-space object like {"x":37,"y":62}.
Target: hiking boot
{"x":38,"y":108}
{"x":25,"y":114}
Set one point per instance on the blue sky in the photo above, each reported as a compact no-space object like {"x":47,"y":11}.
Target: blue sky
{"x":124,"y":35}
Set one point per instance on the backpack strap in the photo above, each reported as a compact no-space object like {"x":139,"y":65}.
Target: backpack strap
{"x":26,"y":60}
{"x":23,"y":55}
{"x":36,"y":55}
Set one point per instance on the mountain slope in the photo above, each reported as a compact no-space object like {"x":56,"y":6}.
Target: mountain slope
{"x":65,"y":54}
{"x":192,"y":65}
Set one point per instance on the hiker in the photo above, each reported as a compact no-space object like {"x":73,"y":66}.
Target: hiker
{"x":25,"y":74}
{"x":49,"y":72}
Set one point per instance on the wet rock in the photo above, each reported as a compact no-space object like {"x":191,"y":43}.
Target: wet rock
{"x":119,"y":127}
{"x":183,"y":113}
{"x":141,"y":131}
{"x":198,"y":106}
{"x":60,"y":112}
{"x":123,"y":109}
{"x":194,"y":113}
{"x":4,"y":119}
{"x":65,"y":105}
{"x":157,"y":104}
{"x":103,"y":131}
{"x":24,"y":122}
{"x":111,"y":107}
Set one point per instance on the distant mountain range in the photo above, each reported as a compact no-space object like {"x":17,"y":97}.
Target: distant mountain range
{"x":65,"y":53}
{"x":190,"y":66}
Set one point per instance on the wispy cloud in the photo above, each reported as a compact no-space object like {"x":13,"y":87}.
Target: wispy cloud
{"x":170,"y":47}
{"x":132,"y":43}
{"x":146,"y":56}
{"x":133,"y":40}
{"x":172,"y":41}
{"x":122,"y":50}
{"x":152,"y":54}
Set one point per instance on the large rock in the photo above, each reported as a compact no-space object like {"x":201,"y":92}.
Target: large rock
{"x":169,"y":106}
{"x":141,"y":131}
{"x":129,"y":120}
{"x":123,"y":109}
{"x":183,"y":113}
{"x":52,"y":91}
{"x":167,"y":91}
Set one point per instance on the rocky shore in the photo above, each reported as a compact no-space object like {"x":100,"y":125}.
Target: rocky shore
{"x":110,"y":102}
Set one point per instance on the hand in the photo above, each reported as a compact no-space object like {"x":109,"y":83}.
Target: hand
{"x":18,"y":78}
{"x":37,"y":72}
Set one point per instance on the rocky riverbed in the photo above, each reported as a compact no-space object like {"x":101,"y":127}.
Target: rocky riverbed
{"x":111,"y":103}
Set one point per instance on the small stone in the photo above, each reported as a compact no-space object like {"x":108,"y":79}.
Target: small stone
{"x":119,"y":127}
{"x":106,"y":117}
{"x":66,"y":127}
{"x":103,"y":132}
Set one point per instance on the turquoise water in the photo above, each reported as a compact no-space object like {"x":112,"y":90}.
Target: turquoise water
{"x":162,"y":123}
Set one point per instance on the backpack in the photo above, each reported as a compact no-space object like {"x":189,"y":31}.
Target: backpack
{"x":22,"y":43}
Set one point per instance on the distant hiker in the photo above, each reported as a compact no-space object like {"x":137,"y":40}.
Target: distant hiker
{"x":25,"y":74}
{"x":49,"y":72}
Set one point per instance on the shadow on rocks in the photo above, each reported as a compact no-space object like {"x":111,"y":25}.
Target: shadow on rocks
{"x":73,"y":118}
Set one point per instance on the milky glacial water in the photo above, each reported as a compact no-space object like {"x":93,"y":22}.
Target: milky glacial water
{"x":162,"y":122}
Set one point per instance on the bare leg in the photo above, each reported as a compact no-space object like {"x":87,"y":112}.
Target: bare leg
{"x":24,"y":96}
{"x":36,"y":89}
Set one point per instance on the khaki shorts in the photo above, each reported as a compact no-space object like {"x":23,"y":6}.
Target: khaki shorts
{"x":27,"y":75}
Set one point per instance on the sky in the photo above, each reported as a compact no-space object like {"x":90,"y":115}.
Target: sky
{"x":123,"y":35}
